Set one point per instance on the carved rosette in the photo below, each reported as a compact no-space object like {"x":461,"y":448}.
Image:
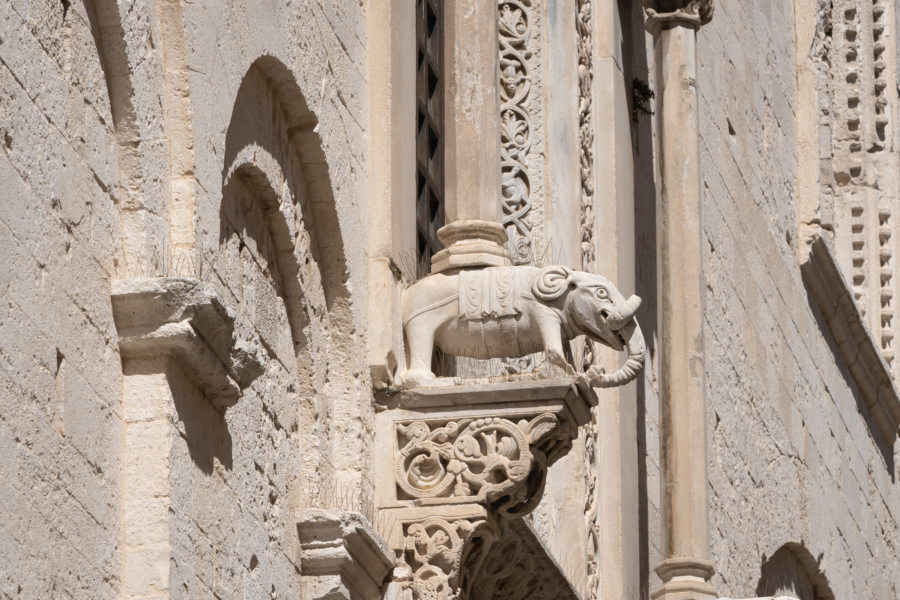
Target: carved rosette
{"x":490,"y":459}
{"x":692,"y":13}
{"x":514,"y":23}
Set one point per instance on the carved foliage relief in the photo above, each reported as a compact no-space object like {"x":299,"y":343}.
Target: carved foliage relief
{"x":440,"y":552}
{"x":519,"y":162}
{"x":486,"y":458}
{"x":585,"y":44}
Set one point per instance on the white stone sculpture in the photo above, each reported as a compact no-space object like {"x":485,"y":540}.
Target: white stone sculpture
{"x":506,"y":312}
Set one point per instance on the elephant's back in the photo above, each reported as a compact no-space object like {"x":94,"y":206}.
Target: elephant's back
{"x":427,"y":291}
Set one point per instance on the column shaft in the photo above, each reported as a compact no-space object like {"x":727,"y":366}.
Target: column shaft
{"x":473,"y":236}
{"x":685,"y":569}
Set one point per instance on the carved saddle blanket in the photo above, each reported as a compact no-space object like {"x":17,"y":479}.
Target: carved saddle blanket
{"x":489,"y":293}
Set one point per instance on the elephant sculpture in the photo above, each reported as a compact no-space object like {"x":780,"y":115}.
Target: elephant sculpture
{"x":506,"y":312}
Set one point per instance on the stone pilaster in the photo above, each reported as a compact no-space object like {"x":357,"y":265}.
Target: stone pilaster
{"x":171,"y":331}
{"x":685,"y":569}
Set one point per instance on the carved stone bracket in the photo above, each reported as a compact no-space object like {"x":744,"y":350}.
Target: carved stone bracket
{"x":186,"y":320}
{"x":519,"y":567}
{"x":341,"y":556}
{"x":691,"y":13}
{"x":464,"y":461}
{"x":437,"y":549}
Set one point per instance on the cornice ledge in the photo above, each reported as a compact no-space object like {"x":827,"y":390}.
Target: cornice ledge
{"x":671,"y":13}
{"x":857,"y":346}
{"x":187,"y":320}
{"x":344,"y":544}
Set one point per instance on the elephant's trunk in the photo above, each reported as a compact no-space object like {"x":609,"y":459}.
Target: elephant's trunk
{"x":617,"y":319}
{"x":633,"y":364}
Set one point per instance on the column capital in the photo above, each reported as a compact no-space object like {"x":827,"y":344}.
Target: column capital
{"x":671,"y":13}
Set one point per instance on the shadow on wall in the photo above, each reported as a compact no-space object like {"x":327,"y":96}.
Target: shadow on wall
{"x":636,"y":66}
{"x":205,"y":429}
{"x":885,"y":446}
{"x":272,"y":143}
{"x":793,"y":571}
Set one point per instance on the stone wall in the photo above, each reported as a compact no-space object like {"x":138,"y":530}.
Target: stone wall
{"x":229,"y":142}
{"x":217,"y":141}
{"x":794,"y":454}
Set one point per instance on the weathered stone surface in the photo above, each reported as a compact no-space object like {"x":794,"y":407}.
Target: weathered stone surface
{"x":254,"y":166}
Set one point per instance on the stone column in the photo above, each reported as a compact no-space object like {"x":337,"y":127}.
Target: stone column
{"x":685,"y":569}
{"x":473,"y":236}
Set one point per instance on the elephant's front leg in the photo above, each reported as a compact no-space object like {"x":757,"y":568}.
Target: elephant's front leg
{"x":551,"y":335}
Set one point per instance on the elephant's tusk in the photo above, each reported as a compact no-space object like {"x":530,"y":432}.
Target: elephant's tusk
{"x":634,"y":364}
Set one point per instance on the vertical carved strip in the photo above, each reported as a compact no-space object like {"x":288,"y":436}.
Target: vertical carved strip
{"x":514,"y":21}
{"x":885,"y":252}
{"x":880,"y":19}
{"x":865,"y":178}
{"x":585,"y":45}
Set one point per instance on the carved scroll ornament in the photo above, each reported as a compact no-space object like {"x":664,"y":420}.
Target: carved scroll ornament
{"x":436,"y":550}
{"x":485,"y":459}
{"x":515,"y":125}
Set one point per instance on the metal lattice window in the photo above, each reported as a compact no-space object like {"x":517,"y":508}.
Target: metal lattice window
{"x":429,"y":132}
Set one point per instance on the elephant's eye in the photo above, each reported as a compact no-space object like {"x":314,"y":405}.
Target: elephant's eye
{"x":602,"y":293}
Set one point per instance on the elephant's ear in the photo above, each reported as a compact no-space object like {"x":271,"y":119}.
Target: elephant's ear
{"x":551,"y":283}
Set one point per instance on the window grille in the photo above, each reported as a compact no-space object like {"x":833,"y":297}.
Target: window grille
{"x":429,"y":132}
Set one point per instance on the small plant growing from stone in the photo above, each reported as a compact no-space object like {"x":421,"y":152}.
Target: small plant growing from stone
{"x":641,"y":95}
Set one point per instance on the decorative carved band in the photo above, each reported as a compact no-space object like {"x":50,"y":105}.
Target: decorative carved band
{"x":482,"y":459}
{"x":585,"y":44}
{"x":514,"y":22}
{"x":692,"y":13}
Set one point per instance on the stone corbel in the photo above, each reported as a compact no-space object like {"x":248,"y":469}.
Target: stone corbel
{"x":438,"y":551}
{"x":463,"y":460}
{"x":186,"y":320}
{"x":164,"y":323}
{"x":341,"y":556}
{"x":690,"y":13}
